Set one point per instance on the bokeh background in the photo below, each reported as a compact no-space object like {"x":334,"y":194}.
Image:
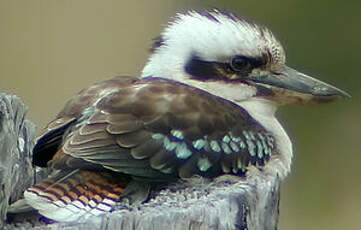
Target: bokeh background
{"x":50,"y":49}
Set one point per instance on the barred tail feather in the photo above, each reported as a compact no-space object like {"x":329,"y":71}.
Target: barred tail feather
{"x":75,"y":196}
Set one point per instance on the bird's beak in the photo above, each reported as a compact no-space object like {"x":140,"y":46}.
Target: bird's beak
{"x":290,"y":86}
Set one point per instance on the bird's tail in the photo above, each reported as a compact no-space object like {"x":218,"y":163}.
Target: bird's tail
{"x":73,"y":196}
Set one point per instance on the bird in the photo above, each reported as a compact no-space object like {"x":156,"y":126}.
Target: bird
{"x":204,"y":105}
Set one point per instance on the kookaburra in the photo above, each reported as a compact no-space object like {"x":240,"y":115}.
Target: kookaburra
{"x":204,"y":105}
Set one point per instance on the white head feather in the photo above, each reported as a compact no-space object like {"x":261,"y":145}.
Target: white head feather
{"x":212,"y":36}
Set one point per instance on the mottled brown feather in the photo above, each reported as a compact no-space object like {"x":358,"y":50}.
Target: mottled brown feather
{"x":82,"y":186}
{"x":117,"y":130}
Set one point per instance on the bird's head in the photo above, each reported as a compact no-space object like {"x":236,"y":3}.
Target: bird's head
{"x":232,"y":58}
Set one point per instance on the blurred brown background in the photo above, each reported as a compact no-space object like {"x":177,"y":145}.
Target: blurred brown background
{"x":50,"y":49}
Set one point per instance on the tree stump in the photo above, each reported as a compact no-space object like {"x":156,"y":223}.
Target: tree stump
{"x":225,"y":203}
{"x":16,"y":142}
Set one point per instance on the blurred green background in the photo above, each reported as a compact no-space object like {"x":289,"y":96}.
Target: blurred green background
{"x":50,"y":49}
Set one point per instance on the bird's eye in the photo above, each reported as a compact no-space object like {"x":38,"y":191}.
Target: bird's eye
{"x":240,"y":63}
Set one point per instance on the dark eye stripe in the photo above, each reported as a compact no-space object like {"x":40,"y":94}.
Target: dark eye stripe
{"x":205,"y":70}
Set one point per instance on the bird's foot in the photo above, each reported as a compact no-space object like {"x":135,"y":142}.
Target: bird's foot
{"x":136,"y":192}
{"x":227,"y":178}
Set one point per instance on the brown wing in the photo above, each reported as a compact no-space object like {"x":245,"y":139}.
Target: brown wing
{"x":159,"y":130}
{"x":50,"y":139}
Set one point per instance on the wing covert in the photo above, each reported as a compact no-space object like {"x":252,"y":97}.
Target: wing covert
{"x":165,"y":130}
